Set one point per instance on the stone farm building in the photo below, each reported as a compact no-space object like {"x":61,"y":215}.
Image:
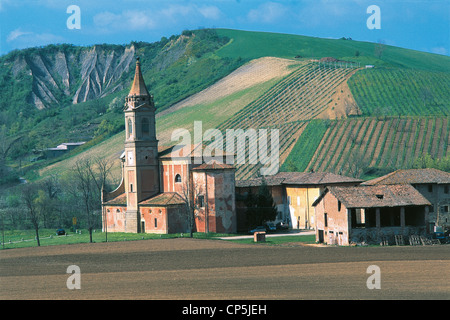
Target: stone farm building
{"x":433,"y":184}
{"x":370,"y":214}
{"x":162,"y":187}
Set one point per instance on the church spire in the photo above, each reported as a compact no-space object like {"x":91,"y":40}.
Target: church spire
{"x":138,"y":88}
{"x":138,"y":95}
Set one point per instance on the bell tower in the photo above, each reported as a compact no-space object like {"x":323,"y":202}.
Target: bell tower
{"x":141,"y":167}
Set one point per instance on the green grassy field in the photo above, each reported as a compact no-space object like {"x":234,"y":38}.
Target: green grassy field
{"x":303,"y":151}
{"x":401,"y":92}
{"x":250,"y":45}
{"x":280,"y":240}
{"x":388,"y":143}
{"x":48,"y":237}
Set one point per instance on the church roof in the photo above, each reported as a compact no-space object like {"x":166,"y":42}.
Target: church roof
{"x":163,"y":199}
{"x":214,"y":165}
{"x":120,"y":200}
{"x":138,"y":88}
{"x":189,"y":151}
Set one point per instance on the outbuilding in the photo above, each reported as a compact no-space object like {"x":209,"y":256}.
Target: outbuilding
{"x":369,"y":214}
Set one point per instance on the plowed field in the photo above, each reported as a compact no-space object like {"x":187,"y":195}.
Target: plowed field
{"x":213,"y":269}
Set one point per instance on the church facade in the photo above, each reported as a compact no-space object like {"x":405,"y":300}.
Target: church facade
{"x":163,"y":190}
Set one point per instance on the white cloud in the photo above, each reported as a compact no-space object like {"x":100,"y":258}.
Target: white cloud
{"x":176,"y":12}
{"x":4,"y":4}
{"x":191,"y":12}
{"x":105,"y":19}
{"x":210,"y":12}
{"x":439,"y":50}
{"x":127,"y":20}
{"x":268,"y":12}
{"x":15,"y":34}
{"x":152,"y":19}
{"x":25,"y":39}
{"x":138,"y":20}
{"x":328,"y":13}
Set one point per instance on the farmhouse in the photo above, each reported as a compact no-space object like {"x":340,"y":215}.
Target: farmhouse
{"x":433,"y":184}
{"x":61,"y":149}
{"x":164,"y":190}
{"x":293,"y":194}
{"x":369,"y":214}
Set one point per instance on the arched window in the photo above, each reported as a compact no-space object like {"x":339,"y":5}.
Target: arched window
{"x":145,"y":126}
{"x":130,"y":128}
{"x":177,"y":178}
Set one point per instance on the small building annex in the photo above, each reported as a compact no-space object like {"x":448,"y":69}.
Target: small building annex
{"x":369,"y":214}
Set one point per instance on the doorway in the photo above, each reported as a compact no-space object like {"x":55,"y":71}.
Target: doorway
{"x":320,"y":236}
{"x":142,"y":226}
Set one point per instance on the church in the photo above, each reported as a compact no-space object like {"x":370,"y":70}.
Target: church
{"x":163,"y":190}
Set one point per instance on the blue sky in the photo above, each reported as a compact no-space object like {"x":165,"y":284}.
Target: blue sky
{"x":421,"y":25}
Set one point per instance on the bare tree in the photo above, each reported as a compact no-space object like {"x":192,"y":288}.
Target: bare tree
{"x":29,"y":195}
{"x":191,"y":194}
{"x":12,"y":209}
{"x":90,"y":177}
{"x":47,"y":200}
{"x":100,"y":169}
{"x":357,"y":163}
{"x":100,"y":176}
{"x":85,"y":187}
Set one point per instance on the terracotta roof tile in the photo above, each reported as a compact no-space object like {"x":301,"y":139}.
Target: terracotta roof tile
{"x":214,"y":165}
{"x":412,"y":176}
{"x":186,"y":151}
{"x":119,"y":200}
{"x":378,"y":196}
{"x":299,"y":178}
{"x":163,"y":199}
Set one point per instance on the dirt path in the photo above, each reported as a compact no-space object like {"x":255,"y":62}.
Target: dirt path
{"x":216,"y":269}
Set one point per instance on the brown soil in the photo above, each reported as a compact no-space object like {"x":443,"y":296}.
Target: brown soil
{"x":214,"y":269}
{"x":343,"y":103}
{"x":255,"y":72}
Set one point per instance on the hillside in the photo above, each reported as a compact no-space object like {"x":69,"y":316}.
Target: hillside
{"x":352,"y":145}
{"x":395,"y":91}
{"x":211,"y":106}
{"x":326,"y":112}
{"x":78,"y":92}
{"x":251,"y":45}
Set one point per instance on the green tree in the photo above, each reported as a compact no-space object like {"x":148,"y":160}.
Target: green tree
{"x":290,"y":166}
{"x":260,"y":207}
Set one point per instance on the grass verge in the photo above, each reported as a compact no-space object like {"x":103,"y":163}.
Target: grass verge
{"x":48,"y":237}
{"x":306,"y":239}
